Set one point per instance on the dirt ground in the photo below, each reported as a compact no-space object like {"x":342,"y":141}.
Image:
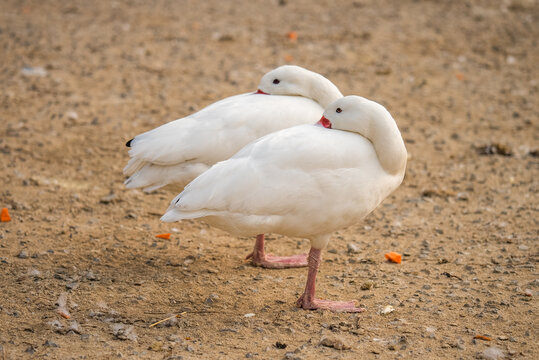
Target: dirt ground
{"x":82,"y":274}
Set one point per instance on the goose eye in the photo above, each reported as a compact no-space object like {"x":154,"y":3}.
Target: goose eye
{"x":339,"y":110}
{"x":276,"y":81}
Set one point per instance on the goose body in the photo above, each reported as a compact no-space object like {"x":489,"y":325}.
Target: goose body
{"x":306,"y":181}
{"x":291,"y":182}
{"x":179,"y":151}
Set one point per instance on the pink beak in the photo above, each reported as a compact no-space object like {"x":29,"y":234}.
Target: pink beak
{"x":261,"y":92}
{"x":324,"y":122}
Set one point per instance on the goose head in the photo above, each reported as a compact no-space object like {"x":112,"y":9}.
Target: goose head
{"x":294,"y":80}
{"x":372,"y":121}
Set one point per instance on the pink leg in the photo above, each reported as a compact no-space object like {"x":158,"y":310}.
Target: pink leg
{"x":260,"y":258}
{"x":308,"y":301}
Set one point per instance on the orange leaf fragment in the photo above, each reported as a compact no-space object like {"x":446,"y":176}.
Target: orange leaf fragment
{"x":63,"y":314}
{"x":394,"y":257}
{"x":288,"y":58}
{"x":163,"y":236}
{"x":459,"y":76}
{"x":482,"y":337}
{"x":4,"y":215}
{"x":292,"y":35}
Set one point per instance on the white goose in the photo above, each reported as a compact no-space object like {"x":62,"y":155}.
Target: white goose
{"x":179,"y":151}
{"x":306,"y":181}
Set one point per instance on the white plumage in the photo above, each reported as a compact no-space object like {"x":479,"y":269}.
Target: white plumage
{"x":306,"y":181}
{"x":180,"y":150}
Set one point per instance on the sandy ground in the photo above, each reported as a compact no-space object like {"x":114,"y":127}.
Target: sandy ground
{"x":80,"y":78}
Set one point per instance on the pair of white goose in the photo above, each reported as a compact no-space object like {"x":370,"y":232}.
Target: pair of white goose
{"x":302,"y":180}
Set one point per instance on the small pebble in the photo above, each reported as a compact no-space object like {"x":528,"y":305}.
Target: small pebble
{"x":72,"y":285}
{"x":74,"y":327}
{"x":492,"y":353}
{"x":431,"y":330}
{"x":156,"y":346}
{"x":89,"y":275}
{"x":50,"y":343}
{"x":35,"y":273}
{"x":124,"y":332}
{"x":23,"y":254}
{"x":34,"y":71}
{"x":367,"y":285}
{"x":352,"y":248}
{"x":56,"y":325}
{"x":211,"y":299}
{"x":189,"y":259}
{"x":174,"y":338}
{"x":386,"y":310}
{"x":292,"y":356}
{"x":108,"y":198}
{"x":334,"y":341}
{"x":228,"y":330}
{"x":72,"y":115}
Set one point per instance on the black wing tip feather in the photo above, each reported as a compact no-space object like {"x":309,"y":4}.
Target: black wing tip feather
{"x":128,"y":144}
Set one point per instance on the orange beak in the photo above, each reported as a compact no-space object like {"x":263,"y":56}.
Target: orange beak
{"x":261,"y":92}
{"x":324,"y":122}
